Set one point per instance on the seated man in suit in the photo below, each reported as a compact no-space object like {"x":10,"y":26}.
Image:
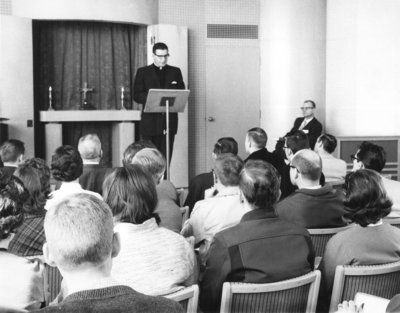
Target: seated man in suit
{"x":308,"y":124}
{"x":81,"y":242}
{"x":255,"y":144}
{"x":12,"y":154}
{"x":373,"y":157}
{"x":204,"y":181}
{"x":260,"y":249}
{"x":334,"y":169}
{"x":311,"y":206}
{"x":168,"y":210}
{"x":93,"y":174}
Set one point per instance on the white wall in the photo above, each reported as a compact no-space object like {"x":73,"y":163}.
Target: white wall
{"x":363,"y":67}
{"x":292,"y":49}
{"x":130,"y":11}
{"x":16,"y":78}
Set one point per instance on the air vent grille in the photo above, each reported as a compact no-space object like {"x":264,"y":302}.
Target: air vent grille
{"x":232,"y":31}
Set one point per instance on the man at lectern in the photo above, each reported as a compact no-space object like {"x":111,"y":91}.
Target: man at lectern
{"x":158,"y":75}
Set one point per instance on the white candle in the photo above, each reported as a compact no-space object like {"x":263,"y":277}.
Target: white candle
{"x":122,"y":92}
{"x":50,"y":92}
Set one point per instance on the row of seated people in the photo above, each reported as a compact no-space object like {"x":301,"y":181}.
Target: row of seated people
{"x":70,"y":158}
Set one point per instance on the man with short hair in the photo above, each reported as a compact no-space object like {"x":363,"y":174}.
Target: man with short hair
{"x":222,"y":211}
{"x":205,"y":181}
{"x":311,"y":206}
{"x":93,"y":174}
{"x":255,"y":145}
{"x":334,"y":169}
{"x":262,"y":248}
{"x":81,"y":243}
{"x":12,"y":154}
{"x":154,"y":162}
{"x":373,"y":157}
{"x":293,"y":143}
{"x":158,"y":75}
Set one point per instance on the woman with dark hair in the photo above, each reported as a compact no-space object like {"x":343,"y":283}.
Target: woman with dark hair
{"x":29,"y":237}
{"x":21,"y":280}
{"x":66,"y":168}
{"x":370,"y":241}
{"x":153,"y":260}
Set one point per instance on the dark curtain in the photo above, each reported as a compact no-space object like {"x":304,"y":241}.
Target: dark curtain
{"x":68,"y":54}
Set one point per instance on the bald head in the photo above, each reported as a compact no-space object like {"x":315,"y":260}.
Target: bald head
{"x":308,"y":164}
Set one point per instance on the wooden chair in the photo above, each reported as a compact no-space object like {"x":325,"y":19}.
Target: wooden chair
{"x":378,"y":280}
{"x":395,"y":221}
{"x":320,"y":237}
{"x":293,"y":295}
{"x":52,"y":283}
{"x":187,"y":297}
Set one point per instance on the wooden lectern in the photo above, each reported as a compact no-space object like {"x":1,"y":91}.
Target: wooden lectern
{"x":166,"y":101}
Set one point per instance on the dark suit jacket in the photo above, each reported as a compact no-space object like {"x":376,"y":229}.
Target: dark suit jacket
{"x":262,"y":248}
{"x":93,"y":176}
{"x":153,"y":124}
{"x":313,"y":208}
{"x":197,"y":187}
{"x":314,"y":128}
{"x":264,"y":155}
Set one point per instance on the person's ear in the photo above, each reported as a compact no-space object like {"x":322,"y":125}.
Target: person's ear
{"x":47,"y":255}
{"x":21,"y":158}
{"x":214,"y":156}
{"x":116,"y":245}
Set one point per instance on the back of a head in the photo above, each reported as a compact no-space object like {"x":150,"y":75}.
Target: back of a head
{"x":79,"y":231}
{"x":260,"y":183}
{"x":372,"y":156}
{"x":226,"y":145}
{"x":12,"y":197}
{"x":131,"y":193}
{"x":366,"y":200}
{"x":227,"y":169}
{"x":297,"y":141}
{"x":66,"y":164}
{"x":152,"y":160}
{"x":329,"y":142}
{"x":258,"y":136}
{"x":11,"y":149}
{"x":134,"y":148}
{"x":35,"y":175}
{"x":309,"y":164}
{"x":89,"y":147}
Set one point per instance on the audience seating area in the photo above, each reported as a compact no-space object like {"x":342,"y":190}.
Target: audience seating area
{"x":320,"y":237}
{"x":187,"y":297}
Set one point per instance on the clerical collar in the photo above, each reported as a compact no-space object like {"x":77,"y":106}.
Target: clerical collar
{"x":160,"y":68}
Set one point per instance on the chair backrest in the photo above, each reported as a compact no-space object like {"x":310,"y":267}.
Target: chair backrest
{"x":52,"y":283}
{"x":392,"y":221}
{"x":188,"y":298}
{"x":320,"y":237}
{"x":293,"y":295}
{"x":378,"y":280}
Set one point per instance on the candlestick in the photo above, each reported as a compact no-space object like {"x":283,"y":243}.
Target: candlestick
{"x":50,"y":98}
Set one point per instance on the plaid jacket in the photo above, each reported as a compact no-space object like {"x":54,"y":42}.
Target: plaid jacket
{"x":29,"y":237}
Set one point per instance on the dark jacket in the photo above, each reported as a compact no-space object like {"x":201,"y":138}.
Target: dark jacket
{"x":313,"y":208}
{"x":93,"y":177}
{"x":197,"y":187}
{"x":313,"y":129}
{"x":264,"y":155}
{"x":153,"y":124}
{"x":262,"y":248}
